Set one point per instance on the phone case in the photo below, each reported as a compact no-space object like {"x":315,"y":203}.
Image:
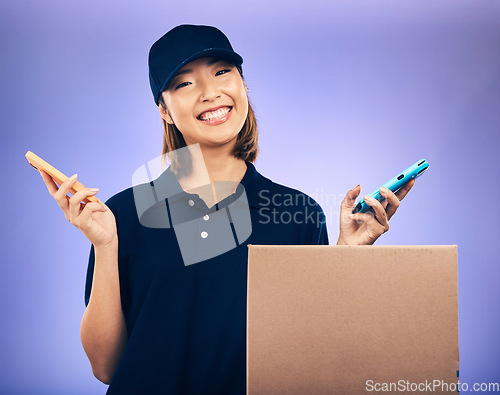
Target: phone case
{"x":394,"y":184}
{"x":38,"y":163}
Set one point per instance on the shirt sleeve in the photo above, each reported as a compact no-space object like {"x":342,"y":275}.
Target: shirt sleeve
{"x":320,"y":234}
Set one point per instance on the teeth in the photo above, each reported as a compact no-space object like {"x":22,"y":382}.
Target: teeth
{"x":209,"y":116}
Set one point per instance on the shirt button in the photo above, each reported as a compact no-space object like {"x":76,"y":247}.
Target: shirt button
{"x":190,"y":202}
{"x":206,"y":217}
{"x":204,"y":234}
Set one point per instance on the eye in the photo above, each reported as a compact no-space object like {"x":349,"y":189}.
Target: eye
{"x":182,"y":84}
{"x":224,"y":71}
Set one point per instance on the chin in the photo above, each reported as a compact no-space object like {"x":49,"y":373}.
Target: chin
{"x":222,"y":140}
{"x":223,"y":136}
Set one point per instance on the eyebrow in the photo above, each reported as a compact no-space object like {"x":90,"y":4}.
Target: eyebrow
{"x":210,"y":62}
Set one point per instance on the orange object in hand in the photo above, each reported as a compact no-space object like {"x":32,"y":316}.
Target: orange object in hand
{"x":39,"y":164}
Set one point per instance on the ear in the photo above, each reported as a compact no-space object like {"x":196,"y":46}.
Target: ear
{"x":165,"y":115}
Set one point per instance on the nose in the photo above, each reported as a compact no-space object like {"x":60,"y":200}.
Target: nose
{"x":210,"y":90}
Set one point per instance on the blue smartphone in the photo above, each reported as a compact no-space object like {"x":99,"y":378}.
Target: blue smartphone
{"x":395,"y":184}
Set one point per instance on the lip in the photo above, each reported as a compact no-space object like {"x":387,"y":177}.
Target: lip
{"x":216,"y":121}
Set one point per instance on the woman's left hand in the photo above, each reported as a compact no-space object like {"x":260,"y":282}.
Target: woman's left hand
{"x":364,"y":228}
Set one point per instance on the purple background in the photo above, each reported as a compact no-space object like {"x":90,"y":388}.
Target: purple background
{"x":345,"y":92}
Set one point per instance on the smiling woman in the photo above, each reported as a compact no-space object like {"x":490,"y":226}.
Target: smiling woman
{"x":191,"y":95}
{"x":206,"y":92}
{"x":166,"y":296}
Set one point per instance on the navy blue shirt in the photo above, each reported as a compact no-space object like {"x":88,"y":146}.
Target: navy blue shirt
{"x":186,"y":324}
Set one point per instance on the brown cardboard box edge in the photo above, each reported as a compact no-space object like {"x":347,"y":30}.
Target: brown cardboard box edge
{"x":323,"y":319}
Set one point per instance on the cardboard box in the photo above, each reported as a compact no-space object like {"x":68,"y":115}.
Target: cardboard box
{"x":347,"y":319}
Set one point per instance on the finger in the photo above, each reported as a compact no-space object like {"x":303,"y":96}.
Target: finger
{"x":61,"y":197}
{"x":350,"y":198}
{"x":392,"y":202}
{"x":49,"y":182}
{"x":405,"y":189}
{"x":75,"y":205}
{"x":87,"y":211}
{"x":380,"y":213}
{"x":87,"y":200}
{"x":63,"y":190}
{"x":362,"y":217}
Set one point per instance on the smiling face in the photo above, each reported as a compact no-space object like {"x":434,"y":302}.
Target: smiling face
{"x":207,"y":102}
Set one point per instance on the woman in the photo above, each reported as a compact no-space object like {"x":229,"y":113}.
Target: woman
{"x":166,"y":300}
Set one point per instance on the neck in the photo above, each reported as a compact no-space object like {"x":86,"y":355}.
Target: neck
{"x":215,"y":167}
{"x":224,"y":167}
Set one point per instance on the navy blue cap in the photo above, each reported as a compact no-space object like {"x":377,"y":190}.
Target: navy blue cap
{"x":182,"y":45}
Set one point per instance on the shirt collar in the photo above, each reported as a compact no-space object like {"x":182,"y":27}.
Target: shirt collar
{"x":253,"y":182}
{"x":167,"y":186}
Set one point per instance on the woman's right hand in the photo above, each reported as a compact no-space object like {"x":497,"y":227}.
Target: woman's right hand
{"x":94,"y":219}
